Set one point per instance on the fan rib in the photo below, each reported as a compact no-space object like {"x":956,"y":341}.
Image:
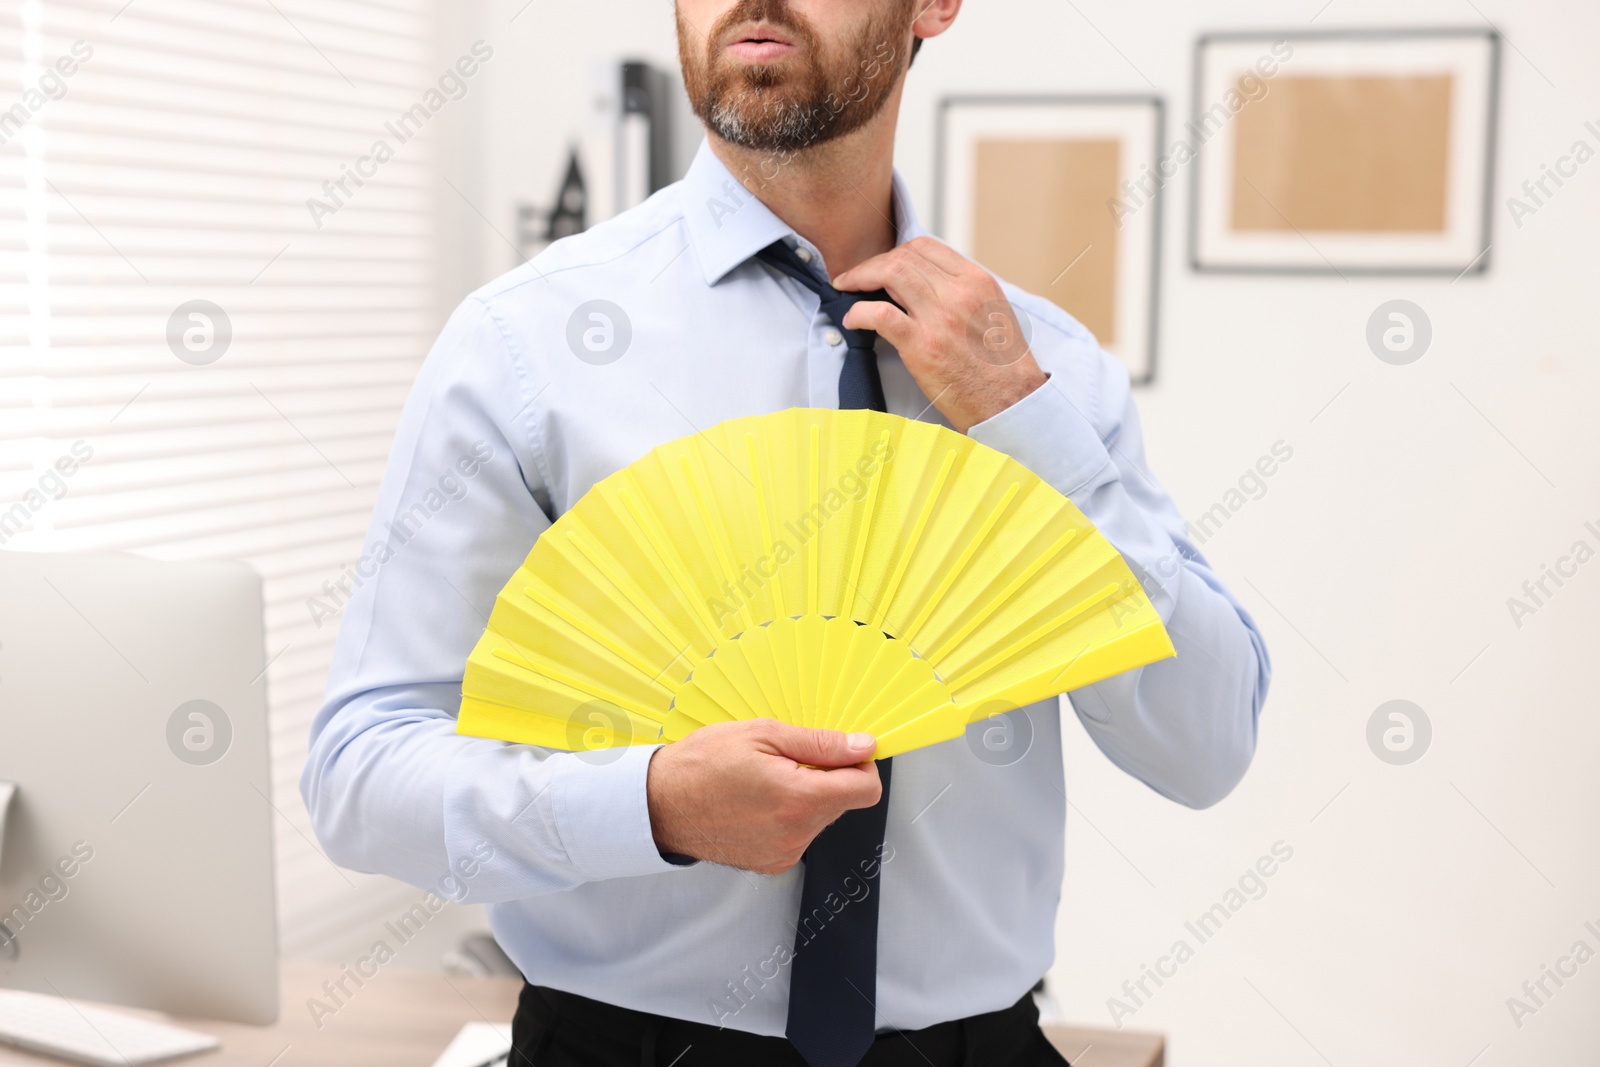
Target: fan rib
{"x":925,"y":717}
{"x":759,"y":655}
{"x":878,"y":478}
{"x":785,"y":656}
{"x":931,"y":696}
{"x":1012,"y":648}
{"x":982,"y":538}
{"x":603,"y":562}
{"x":608,"y":645}
{"x":1003,"y":597}
{"x":511,"y":646}
{"x":924,"y":728}
{"x":680,"y":724}
{"x":762,"y":509}
{"x":595,"y":562}
{"x":887,"y":663}
{"x":736,"y":669}
{"x":929,"y":692}
{"x":853,"y":674}
{"x":836,"y":646}
{"x":909,"y":549}
{"x":810,"y":635}
{"x":480,"y":717}
{"x":587,"y":690}
{"x":658,"y":541}
{"x":708,"y":711}
{"x":712,"y":524}
{"x":695,"y":708}
{"x":814,"y":545}
{"x":712,"y":682}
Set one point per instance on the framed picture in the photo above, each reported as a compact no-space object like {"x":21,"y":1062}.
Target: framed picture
{"x":1055,"y":194}
{"x":1365,"y":152}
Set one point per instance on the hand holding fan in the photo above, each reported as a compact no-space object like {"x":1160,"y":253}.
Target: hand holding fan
{"x":844,"y":569}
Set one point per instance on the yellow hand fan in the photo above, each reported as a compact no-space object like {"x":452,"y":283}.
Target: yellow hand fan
{"x":844,"y":569}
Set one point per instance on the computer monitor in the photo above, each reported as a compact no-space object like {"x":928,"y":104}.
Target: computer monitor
{"x":136,"y":857}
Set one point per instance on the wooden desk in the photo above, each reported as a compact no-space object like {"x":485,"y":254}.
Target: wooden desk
{"x":405,"y":1018}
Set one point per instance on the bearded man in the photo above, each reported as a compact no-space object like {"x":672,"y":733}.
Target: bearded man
{"x":757,"y":893}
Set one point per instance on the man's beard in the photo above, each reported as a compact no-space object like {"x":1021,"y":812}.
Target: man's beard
{"x":817,"y":96}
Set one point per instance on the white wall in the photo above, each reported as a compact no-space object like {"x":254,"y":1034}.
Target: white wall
{"x":1378,"y":562}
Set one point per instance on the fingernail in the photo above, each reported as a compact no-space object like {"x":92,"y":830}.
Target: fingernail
{"x":860,"y":741}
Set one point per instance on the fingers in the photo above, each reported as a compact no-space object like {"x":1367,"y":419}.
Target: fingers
{"x":924,"y":255}
{"x":939,"y":254}
{"x":837,"y":791}
{"x":754,"y":794}
{"x":828,"y":784}
{"x":819,"y":748}
{"x":835,"y":771}
{"x":905,"y":275}
{"x":889,"y":321}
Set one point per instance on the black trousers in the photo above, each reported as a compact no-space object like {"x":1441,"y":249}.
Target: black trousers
{"x":556,"y":1029}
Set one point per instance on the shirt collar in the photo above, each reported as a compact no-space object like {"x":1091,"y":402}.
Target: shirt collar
{"x":728,"y":224}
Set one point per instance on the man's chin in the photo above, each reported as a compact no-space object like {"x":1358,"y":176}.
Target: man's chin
{"x":757,"y":106}
{"x":753,"y":138}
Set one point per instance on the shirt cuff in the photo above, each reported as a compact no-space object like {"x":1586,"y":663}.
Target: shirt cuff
{"x":602,"y":813}
{"x":1048,"y":434}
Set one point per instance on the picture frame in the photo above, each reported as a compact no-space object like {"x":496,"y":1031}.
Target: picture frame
{"x":1054,"y":194}
{"x":1369,"y":152}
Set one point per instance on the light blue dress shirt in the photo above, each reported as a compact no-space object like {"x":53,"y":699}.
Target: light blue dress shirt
{"x":518,"y":410}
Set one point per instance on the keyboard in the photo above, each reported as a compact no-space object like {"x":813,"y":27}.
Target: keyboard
{"x":83,"y":1034}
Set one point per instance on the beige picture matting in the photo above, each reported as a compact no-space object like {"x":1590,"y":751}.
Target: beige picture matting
{"x":1039,"y":220}
{"x":1368,"y":152}
{"x":1361,"y":154}
{"x":1053,"y":194}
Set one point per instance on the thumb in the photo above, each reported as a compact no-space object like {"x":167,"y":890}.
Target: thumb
{"x":821,"y":748}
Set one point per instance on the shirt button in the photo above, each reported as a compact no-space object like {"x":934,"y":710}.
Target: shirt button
{"x":833,"y":337}
{"x":803,"y":254}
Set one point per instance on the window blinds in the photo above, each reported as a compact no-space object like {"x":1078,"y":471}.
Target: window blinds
{"x":196,"y":362}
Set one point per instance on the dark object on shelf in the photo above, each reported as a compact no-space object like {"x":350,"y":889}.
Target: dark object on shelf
{"x":538,"y":227}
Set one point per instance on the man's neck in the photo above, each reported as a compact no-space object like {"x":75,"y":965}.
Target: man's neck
{"x":838,"y":195}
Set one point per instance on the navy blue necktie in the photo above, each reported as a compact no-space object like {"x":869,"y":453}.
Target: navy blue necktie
{"x":859,"y":384}
{"x":833,"y":987}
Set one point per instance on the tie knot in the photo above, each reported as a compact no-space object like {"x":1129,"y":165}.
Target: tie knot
{"x":859,"y":383}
